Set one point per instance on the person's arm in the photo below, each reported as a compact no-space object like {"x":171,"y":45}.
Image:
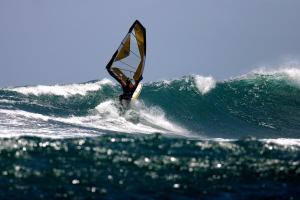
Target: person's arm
{"x":121,"y":81}
{"x":123,"y":84}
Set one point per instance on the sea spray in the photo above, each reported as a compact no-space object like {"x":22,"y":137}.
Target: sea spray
{"x":204,"y":84}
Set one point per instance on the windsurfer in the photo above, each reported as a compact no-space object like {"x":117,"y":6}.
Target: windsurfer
{"x":127,"y":63}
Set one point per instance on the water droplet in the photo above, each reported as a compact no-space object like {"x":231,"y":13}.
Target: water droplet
{"x":75,"y":181}
{"x":113,"y":139}
{"x":173,"y":159}
{"x":109,"y":152}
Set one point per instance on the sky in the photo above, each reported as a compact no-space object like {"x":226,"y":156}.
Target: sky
{"x":70,"y":41}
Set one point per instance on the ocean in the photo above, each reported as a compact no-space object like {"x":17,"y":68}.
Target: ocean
{"x":186,"y":138}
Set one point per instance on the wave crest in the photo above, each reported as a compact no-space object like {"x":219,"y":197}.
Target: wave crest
{"x":63,"y":90}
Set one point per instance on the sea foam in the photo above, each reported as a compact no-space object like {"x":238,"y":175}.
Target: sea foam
{"x":63,"y":90}
{"x":106,"y":117}
{"x":290,"y":69}
{"x":204,"y":84}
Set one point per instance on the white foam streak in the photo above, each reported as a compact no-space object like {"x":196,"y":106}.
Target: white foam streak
{"x":63,"y":90}
{"x":156,"y":118}
{"x":286,"y":142}
{"x":15,"y":123}
{"x":22,"y":114}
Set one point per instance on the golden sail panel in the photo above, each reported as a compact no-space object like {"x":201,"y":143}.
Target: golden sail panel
{"x":124,"y":49}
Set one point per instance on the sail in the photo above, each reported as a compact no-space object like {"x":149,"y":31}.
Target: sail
{"x":128,"y":61}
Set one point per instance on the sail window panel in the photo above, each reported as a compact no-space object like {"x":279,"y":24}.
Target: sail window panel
{"x":126,"y":68}
{"x":131,"y":61}
{"x":134,"y":49}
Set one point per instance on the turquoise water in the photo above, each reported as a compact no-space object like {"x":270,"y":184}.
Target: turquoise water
{"x":187,"y":138}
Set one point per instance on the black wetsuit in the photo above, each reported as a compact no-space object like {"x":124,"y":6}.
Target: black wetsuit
{"x":128,"y":91}
{"x":126,"y":95}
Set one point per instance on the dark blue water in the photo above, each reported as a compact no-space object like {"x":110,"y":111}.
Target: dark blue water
{"x":188,"y":138}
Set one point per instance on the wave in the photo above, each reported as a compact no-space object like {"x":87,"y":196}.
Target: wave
{"x":263,"y":103}
{"x":107,"y":117}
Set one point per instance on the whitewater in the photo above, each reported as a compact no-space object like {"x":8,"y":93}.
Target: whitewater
{"x":190,"y":137}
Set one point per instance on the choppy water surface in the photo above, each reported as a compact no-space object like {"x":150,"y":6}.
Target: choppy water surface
{"x":124,"y":166}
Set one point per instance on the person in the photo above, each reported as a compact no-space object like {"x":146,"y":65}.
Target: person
{"x":128,"y":89}
{"x":127,"y":86}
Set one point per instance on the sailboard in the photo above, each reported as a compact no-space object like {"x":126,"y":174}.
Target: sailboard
{"x":128,"y":62}
{"x":137,"y":91}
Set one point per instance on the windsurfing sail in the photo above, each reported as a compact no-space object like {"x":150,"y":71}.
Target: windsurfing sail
{"x":128,"y":61}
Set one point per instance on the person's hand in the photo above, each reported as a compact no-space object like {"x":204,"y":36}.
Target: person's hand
{"x":141,"y":78}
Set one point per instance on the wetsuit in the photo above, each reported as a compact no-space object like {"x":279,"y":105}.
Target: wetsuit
{"x":127,"y":93}
{"x":127,"y":86}
{"x":128,"y":89}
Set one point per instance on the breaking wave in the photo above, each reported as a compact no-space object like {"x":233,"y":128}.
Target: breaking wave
{"x":263,"y":103}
